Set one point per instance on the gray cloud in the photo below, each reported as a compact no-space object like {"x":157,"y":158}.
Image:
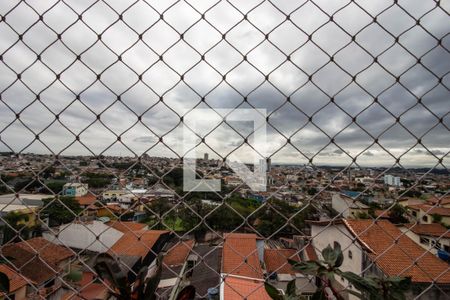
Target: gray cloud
{"x":161,"y":58}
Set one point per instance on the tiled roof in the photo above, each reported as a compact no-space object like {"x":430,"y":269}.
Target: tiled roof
{"x":439,"y":200}
{"x":240,"y":256}
{"x":177,"y":255}
{"x":16,"y":281}
{"x":124,"y":226}
{"x":276,"y":260}
{"x":431,"y":210}
{"x":87,"y":199}
{"x":51,"y":253}
{"x":433,"y":229}
{"x":239,"y":288}
{"x":137,"y":243}
{"x":397,"y":258}
{"x":37,"y":268}
{"x":311,"y":252}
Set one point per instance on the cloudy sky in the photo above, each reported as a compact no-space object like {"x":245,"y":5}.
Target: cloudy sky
{"x":143,"y":66}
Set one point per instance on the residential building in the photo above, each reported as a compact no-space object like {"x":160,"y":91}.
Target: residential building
{"x":392,"y":181}
{"x":427,"y":214}
{"x":432,"y":237}
{"x":138,"y":249}
{"x":280,"y":272}
{"x":241,"y":269}
{"x":75,"y":189}
{"x":94,"y":236}
{"x":17,"y":284}
{"x":381,"y":249}
{"x":42,"y":262}
{"x":348,"y":207}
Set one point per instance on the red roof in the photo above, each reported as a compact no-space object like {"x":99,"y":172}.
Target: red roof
{"x":37,"y":258}
{"x":51,"y":253}
{"x":396,"y":254}
{"x":439,"y":200}
{"x":137,"y":243}
{"x":311,"y":252}
{"x":240,"y":256}
{"x":434,"y":229}
{"x":276,"y":260}
{"x":86,"y":200}
{"x":177,"y":255}
{"x":240,"y":288}
{"x":16,"y":281}
{"x":431,"y":210}
{"x":124,"y":226}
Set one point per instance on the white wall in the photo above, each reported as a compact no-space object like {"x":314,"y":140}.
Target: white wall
{"x":83,"y":236}
{"x":338,"y":233}
{"x":340,"y":205}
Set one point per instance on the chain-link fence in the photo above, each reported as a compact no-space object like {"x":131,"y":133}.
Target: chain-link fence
{"x":96,"y":101}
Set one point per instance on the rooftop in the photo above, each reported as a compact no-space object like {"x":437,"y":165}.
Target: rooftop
{"x":137,"y":243}
{"x":16,"y":281}
{"x":433,"y":229}
{"x":276,"y":260}
{"x":396,"y":254}
{"x":240,"y":256}
{"x":240,"y":288}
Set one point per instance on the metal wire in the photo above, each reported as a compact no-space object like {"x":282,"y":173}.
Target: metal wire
{"x":20,"y":21}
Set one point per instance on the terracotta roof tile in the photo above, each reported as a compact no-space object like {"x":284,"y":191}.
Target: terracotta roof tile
{"x":136,"y":243}
{"x":439,"y":200}
{"x":177,"y":255}
{"x":240,"y":256}
{"x":433,"y":229}
{"x":124,"y":226}
{"x":51,"y":253}
{"x":398,"y":258}
{"x":37,"y":268}
{"x":430,"y":210}
{"x":239,"y":288}
{"x":311,"y":252}
{"x":276,"y":260}
{"x":87,"y":199}
{"x":16,"y":280}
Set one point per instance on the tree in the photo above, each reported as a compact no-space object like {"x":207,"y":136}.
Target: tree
{"x":61,"y":210}
{"x":15,"y":227}
{"x":397,"y":214}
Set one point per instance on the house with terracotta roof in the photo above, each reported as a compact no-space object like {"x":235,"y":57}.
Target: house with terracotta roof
{"x":427,"y":214}
{"x":380,"y":248}
{"x":280,"y":272}
{"x":443,"y":201}
{"x":241,"y":269}
{"x":432,"y":237}
{"x":176,"y":268}
{"x":137,"y":249}
{"x":42,"y":262}
{"x":17,"y":284}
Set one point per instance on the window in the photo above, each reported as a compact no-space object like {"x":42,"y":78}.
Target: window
{"x":436,"y":244}
{"x":425,"y":218}
{"x":414,"y":213}
{"x":447,"y":248}
{"x":350,"y":254}
{"x":424,"y":241}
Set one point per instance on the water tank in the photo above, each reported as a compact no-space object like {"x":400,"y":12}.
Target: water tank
{"x":213,"y":294}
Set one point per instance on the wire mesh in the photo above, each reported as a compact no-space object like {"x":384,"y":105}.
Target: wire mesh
{"x":99,"y":91}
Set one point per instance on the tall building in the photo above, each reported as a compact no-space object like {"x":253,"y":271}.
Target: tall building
{"x":205,"y":156}
{"x":392,"y":180}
